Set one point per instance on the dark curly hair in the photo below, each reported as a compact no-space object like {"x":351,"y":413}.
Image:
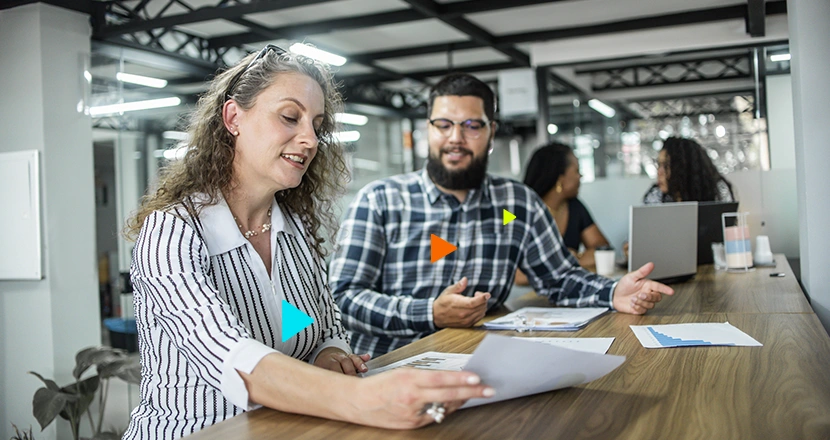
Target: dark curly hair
{"x":546,"y":165}
{"x":692,"y":175}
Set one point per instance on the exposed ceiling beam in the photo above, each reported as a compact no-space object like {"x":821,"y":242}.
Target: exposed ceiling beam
{"x":155,"y":57}
{"x":755,"y":18}
{"x":658,"y":21}
{"x":85,"y":6}
{"x":423,"y":75}
{"x":302,"y":30}
{"x":201,"y":14}
{"x":692,"y":17}
{"x":432,"y":9}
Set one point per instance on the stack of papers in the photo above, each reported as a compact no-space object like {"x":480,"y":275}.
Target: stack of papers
{"x":685,"y":335}
{"x":517,"y":367}
{"x":546,"y":319}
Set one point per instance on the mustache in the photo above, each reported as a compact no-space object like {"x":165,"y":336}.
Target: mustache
{"x":447,"y":150}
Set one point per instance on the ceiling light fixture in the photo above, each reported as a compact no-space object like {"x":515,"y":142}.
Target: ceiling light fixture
{"x":141,"y":80}
{"x":102,"y":110}
{"x":780,"y":57}
{"x":347,"y":136}
{"x":553,"y":128}
{"x":601,"y":107}
{"x":317,"y":54}
{"x":351,"y":118}
{"x":175,"y":135}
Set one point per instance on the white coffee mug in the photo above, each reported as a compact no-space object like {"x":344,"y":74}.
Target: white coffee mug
{"x":604,"y":260}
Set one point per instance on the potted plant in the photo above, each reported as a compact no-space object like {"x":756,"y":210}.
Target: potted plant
{"x":72,"y":401}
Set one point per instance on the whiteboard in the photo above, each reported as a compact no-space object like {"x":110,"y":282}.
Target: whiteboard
{"x":20,"y":216}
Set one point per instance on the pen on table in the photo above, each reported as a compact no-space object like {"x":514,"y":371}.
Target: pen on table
{"x":777,"y":274}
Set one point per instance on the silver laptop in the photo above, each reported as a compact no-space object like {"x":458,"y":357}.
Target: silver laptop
{"x":667,"y":236}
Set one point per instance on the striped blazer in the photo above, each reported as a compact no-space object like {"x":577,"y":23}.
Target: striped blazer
{"x":205,"y":307}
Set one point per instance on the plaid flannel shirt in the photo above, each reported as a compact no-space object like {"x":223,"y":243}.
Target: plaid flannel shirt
{"x":385,"y":285}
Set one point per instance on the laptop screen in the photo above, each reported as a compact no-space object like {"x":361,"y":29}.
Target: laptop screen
{"x":665,"y":235}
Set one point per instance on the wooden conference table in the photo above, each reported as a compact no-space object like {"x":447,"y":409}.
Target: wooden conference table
{"x":778,"y":391}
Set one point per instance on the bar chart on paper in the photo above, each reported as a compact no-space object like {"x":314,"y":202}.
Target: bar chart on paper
{"x":686,"y":335}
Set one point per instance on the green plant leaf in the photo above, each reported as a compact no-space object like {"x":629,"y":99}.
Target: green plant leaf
{"x":48,"y":403}
{"x":50,"y":384}
{"x":131,"y":371}
{"x":85,"y":387}
{"x":127,"y":369}
{"x":95,"y":356}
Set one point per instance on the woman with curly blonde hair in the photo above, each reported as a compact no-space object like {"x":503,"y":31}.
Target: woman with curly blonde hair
{"x":231,"y":240}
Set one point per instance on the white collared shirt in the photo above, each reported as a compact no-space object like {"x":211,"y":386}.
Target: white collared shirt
{"x":206,"y":307}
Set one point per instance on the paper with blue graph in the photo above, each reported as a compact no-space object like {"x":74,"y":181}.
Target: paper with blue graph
{"x":686,"y":335}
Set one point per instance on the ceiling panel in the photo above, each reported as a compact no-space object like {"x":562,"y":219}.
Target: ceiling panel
{"x":212,"y":28}
{"x":460,"y":58}
{"x":415,"y":33}
{"x":351,"y":69}
{"x":325,"y":11}
{"x":583,"y":12}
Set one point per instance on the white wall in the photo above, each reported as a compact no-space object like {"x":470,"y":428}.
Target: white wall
{"x":809,"y":34}
{"x":43,"y":323}
{"x":780,"y":123}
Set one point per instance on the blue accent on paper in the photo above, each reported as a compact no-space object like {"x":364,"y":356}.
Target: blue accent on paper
{"x":293,"y":321}
{"x":668,"y":341}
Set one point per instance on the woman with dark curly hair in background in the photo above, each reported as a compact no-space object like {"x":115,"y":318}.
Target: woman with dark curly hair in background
{"x":553,"y":173}
{"x":230,"y":240}
{"x":686,"y":174}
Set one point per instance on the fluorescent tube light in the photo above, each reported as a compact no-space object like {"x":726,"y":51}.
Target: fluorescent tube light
{"x":175,"y":135}
{"x":347,"y":136}
{"x":780,"y":57}
{"x":553,"y":128}
{"x":351,"y":118}
{"x":133,"y":106}
{"x":601,"y":107}
{"x":317,"y":54}
{"x":141,"y":80}
{"x":176,"y":153}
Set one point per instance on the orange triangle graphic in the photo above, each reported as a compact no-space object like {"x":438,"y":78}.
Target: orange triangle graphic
{"x":439,"y":248}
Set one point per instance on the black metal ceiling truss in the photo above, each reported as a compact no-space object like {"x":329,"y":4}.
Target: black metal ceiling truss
{"x":410,"y":101}
{"x":136,"y":24}
{"x":687,"y":71}
{"x":694,"y":106}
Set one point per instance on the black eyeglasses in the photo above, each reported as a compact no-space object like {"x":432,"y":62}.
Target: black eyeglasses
{"x":259,"y":56}
{"x":471,"y":128}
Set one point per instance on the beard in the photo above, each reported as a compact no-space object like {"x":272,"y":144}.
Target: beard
{"x":467,"y":178}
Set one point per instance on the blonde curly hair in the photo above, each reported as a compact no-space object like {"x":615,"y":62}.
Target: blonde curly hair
{"x":208,"y":165}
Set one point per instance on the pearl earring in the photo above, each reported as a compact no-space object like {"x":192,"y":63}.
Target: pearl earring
{"x":235,"y":133}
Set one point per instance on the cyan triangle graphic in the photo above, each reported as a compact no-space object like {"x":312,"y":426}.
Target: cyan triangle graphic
{"x":293,"y":321}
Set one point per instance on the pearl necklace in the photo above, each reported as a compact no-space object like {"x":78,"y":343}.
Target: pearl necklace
{"x":248,"y":234}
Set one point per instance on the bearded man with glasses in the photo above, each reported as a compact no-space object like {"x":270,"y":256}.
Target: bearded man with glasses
{"x":389,"y":291}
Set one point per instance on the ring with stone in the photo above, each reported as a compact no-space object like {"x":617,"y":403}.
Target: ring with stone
{"x":435,"y":410}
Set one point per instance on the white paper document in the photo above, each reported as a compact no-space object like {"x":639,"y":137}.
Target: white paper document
{"x":431,"y":360}
{"x":591,"y":345}
{"x":517,"y":367}
{"x":684,"y":335}
{"x":547,"y":319}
